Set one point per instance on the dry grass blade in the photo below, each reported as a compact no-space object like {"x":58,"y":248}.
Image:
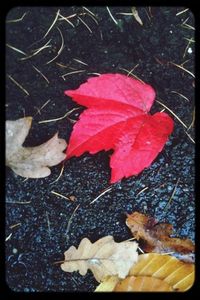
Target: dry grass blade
{"x":19,"y":85}
{"x":61,"y":47}
{"x":17,"y":20}
{"x":59,"y":195}
{"x":111,"y":15}
{"x":182,"y":68}
{"x":172,"y":113}
{"x":136,"y":15}
{"x":60,"y":118}
{"x":89,"y":11}
{"x":16,"y":49}
{"x":45,"y":78}
{"x":56,"y":17}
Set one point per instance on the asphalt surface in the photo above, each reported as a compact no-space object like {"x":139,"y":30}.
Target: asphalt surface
{"x":39,"y":221}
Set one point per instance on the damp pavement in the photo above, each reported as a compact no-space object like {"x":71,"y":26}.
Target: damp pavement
{"x":40,"y":225}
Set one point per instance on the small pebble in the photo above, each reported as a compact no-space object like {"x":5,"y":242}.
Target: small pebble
{"x":14,"y":250}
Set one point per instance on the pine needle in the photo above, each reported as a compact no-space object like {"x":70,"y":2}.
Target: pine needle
{"x":17,"y":20}
{"x":182,"y":68}
{"x":181,"y":12}
{"x":45,"y":78}
{"x":59,"y":195}
{"x":19,"y":85}
{"x":104,"y":192}
{"x":85,"y":24}
{"x":111,"y":15}
{"x":172,"y":113}
{"x":56,"y":17}
{"x":16,"y":49}
{"x":70,"y":73}
{"x":60,"y":118}
{"x":181,"y":95}
{"x":61,"y":47}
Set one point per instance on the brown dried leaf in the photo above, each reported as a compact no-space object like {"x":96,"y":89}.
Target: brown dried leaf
{"x":31,"y":162}
{"x":104,"y":257}
{"x":153,"y":272}
{"x":156,"y":236}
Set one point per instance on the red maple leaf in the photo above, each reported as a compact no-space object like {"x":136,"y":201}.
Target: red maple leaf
{"x":117,"y":118}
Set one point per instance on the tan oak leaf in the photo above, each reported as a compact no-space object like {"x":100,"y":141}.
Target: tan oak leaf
{"x":104,"y":257}
{"x":31,"y":162}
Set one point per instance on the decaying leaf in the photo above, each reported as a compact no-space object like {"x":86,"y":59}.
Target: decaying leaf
{"x":153,"y":272}
{"x":136,"y":15}
{"x":155,"y":236}
{"x":31,"y":162}
{"x":104,"y":257}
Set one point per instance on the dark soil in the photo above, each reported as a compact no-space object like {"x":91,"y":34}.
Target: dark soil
{"x":41,"y":236}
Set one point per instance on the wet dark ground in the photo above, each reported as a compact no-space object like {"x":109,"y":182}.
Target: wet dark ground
{"x":41,"y":236}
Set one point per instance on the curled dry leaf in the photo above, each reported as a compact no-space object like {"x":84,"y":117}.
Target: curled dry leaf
{"x":104,"y":257}
{"x":153,"y":272}
{"x":155,"y":236}
{"x":31,"y":162}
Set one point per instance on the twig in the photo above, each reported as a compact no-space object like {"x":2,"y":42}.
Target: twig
{"x":56,"y":17}
{"x":182,"y":68}
{"x":59,"y":195}
{"x":111,"y":15}
{"x":60,"y":118}
{"x":85,"y":24}
{"x":70,"y":73}
{"x":61,"y":47}
{"x":45,"y":78}
{"x":19,"y":85}
{"x":172,"y":113}
{"x":104,"y":192}
{"x":17,"y":20}
{"x":16,"y":49}
{"x":61,"y":172}
{"x":173,"y":193}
